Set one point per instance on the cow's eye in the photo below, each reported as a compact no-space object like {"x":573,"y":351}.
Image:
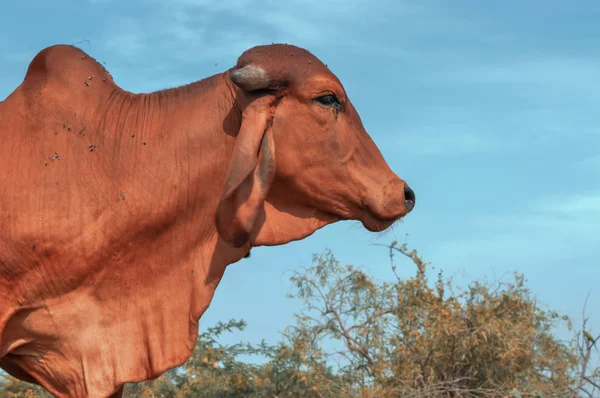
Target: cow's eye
{"x":328,"y":100}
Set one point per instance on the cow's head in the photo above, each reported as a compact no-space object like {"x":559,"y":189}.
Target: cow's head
{"x":302,"y":158}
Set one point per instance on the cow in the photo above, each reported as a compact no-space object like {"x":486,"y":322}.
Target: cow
{"x":120,"y":211}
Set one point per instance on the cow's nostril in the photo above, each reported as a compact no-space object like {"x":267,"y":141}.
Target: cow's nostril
{"x":409,"y":197}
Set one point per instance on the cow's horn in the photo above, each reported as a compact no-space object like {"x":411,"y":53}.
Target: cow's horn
{"x":250,"y":78}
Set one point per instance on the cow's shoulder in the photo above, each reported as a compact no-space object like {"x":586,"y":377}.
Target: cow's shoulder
{"x":67,"y":67}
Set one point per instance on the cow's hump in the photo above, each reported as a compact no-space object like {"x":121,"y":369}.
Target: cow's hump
{"x":67,"y":66}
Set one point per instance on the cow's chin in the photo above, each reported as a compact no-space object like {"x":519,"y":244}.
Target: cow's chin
{"x":374,"y":223}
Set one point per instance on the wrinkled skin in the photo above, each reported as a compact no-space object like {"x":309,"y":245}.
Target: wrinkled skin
{"x":121,"y":211}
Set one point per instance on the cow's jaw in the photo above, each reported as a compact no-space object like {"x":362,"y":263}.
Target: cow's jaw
{"x":281,"y":225}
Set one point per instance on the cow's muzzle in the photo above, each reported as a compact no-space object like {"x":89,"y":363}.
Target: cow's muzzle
{"x":381,"y":214}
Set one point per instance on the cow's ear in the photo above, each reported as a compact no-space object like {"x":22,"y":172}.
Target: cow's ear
{"x":250,"y":174}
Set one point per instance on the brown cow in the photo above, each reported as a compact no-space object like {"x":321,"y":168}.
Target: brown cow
{"x":120,"y":211}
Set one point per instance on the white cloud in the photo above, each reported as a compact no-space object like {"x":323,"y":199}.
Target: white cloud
{"x":450,"y":142}
{"x":547,"y":230}
{"x":556,"y":74}
{"x":545,"y":246}
{"x":576,"y":206}
{"x":210,"y":29}
{"x":589,"y":163}
{"x":448,"y":130}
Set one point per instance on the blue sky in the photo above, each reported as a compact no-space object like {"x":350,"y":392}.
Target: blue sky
{"x":488,"y":109}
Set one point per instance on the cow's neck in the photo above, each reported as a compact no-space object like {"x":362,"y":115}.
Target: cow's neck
{"x":187,"y":135}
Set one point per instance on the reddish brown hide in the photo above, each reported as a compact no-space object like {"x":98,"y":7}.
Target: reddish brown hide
{"x":120,"y":211}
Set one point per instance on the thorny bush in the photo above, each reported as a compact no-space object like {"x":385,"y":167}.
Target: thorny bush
{"x":358,"y":337}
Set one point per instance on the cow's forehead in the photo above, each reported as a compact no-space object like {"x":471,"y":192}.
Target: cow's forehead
{"x":286,"y":59}
{"x":280,"y":53}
